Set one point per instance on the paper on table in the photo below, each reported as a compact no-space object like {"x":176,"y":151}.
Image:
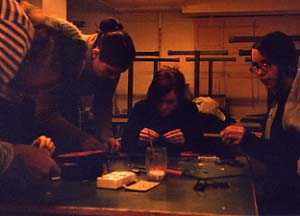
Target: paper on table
{"x":141,"y":185}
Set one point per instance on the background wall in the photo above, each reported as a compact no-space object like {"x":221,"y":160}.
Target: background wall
{"x":163,"y":31}
{"x":56,"y":8}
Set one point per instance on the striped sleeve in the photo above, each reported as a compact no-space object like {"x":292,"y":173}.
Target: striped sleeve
{"x":16,"y":33}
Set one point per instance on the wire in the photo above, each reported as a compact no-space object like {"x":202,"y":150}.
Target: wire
{"x":150,"y":140}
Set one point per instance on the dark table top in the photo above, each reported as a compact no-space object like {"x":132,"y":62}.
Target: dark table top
{"x":174,"y":196}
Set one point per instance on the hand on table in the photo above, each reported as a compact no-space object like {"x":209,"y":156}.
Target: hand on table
{"x":174,"y":136}
{"x":44,"y":142}
{"x":233,"y":134}
{"x":147,"y":135}
{"x":36,"y":162}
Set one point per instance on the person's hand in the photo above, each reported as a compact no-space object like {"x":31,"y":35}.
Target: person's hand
{"x":113,"y":144}
{"x":233,"y":134}
{"x":298,"y":167}
{"x":35,"y":162}
{"x":147,"y":135}
{"x":174,"y":136}
{"x":44,"y":142}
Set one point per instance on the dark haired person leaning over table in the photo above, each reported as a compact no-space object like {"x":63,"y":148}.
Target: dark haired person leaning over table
{"x":63,"y":65}
{"x":274,"y":61}
{"x":166,"y":117}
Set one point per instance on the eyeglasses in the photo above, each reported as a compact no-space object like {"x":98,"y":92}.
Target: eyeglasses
{"x":262,"y":66}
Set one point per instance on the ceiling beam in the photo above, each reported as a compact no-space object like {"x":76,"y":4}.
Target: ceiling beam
{"x":236,"y":7}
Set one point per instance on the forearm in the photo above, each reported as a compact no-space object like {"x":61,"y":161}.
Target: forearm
{"x":102,"y":108}
{"x":65,"y":135}
{"x":255,"y":146}
{"x":51,"y":122}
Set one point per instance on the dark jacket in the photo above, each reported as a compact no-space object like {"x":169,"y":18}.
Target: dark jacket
{"x":279,"y":154}
{"x":144,"y":114}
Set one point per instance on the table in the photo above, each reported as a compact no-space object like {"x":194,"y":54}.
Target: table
{"x":174,"y":196}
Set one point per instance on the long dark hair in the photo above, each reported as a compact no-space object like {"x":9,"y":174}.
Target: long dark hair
{"x":164,"y":81}
{"x":279,"y":49}
{"x":115,"y":44}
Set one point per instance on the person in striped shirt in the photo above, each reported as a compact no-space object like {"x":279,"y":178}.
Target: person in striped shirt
{"x":19,"y":163}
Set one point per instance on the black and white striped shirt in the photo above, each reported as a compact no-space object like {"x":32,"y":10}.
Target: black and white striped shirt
{"x":16,"y":33}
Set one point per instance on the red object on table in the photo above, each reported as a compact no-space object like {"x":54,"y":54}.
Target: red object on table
{"x":174,"y":172}
{"x":188,"y":154}
{"x":80,"y":154}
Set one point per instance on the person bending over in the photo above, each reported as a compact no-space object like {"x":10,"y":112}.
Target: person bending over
{"x":19,"y":164}
{"x":53,"y":78}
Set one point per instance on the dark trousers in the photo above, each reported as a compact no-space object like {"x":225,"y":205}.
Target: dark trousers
{"x":17,"y":120}
{"x":284,"y":201}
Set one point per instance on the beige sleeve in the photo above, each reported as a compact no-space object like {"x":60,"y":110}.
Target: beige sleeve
{"x":291,"y":115}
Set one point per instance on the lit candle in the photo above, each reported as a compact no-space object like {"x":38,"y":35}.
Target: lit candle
{"x":156,"y":174}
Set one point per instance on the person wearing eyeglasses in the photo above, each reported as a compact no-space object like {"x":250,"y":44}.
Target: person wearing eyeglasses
{"x":274,"y":61}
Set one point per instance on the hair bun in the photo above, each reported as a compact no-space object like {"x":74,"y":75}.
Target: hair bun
{"x":110,"y":25}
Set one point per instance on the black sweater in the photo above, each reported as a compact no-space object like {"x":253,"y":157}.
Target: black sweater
{"x":145,"y":115}
{"x":279,"y":154}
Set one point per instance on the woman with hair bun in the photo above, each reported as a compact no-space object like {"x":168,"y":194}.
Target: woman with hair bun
{"x":110,"y":53}
{"x":114,"y":44}
{"x":62,"y":65}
